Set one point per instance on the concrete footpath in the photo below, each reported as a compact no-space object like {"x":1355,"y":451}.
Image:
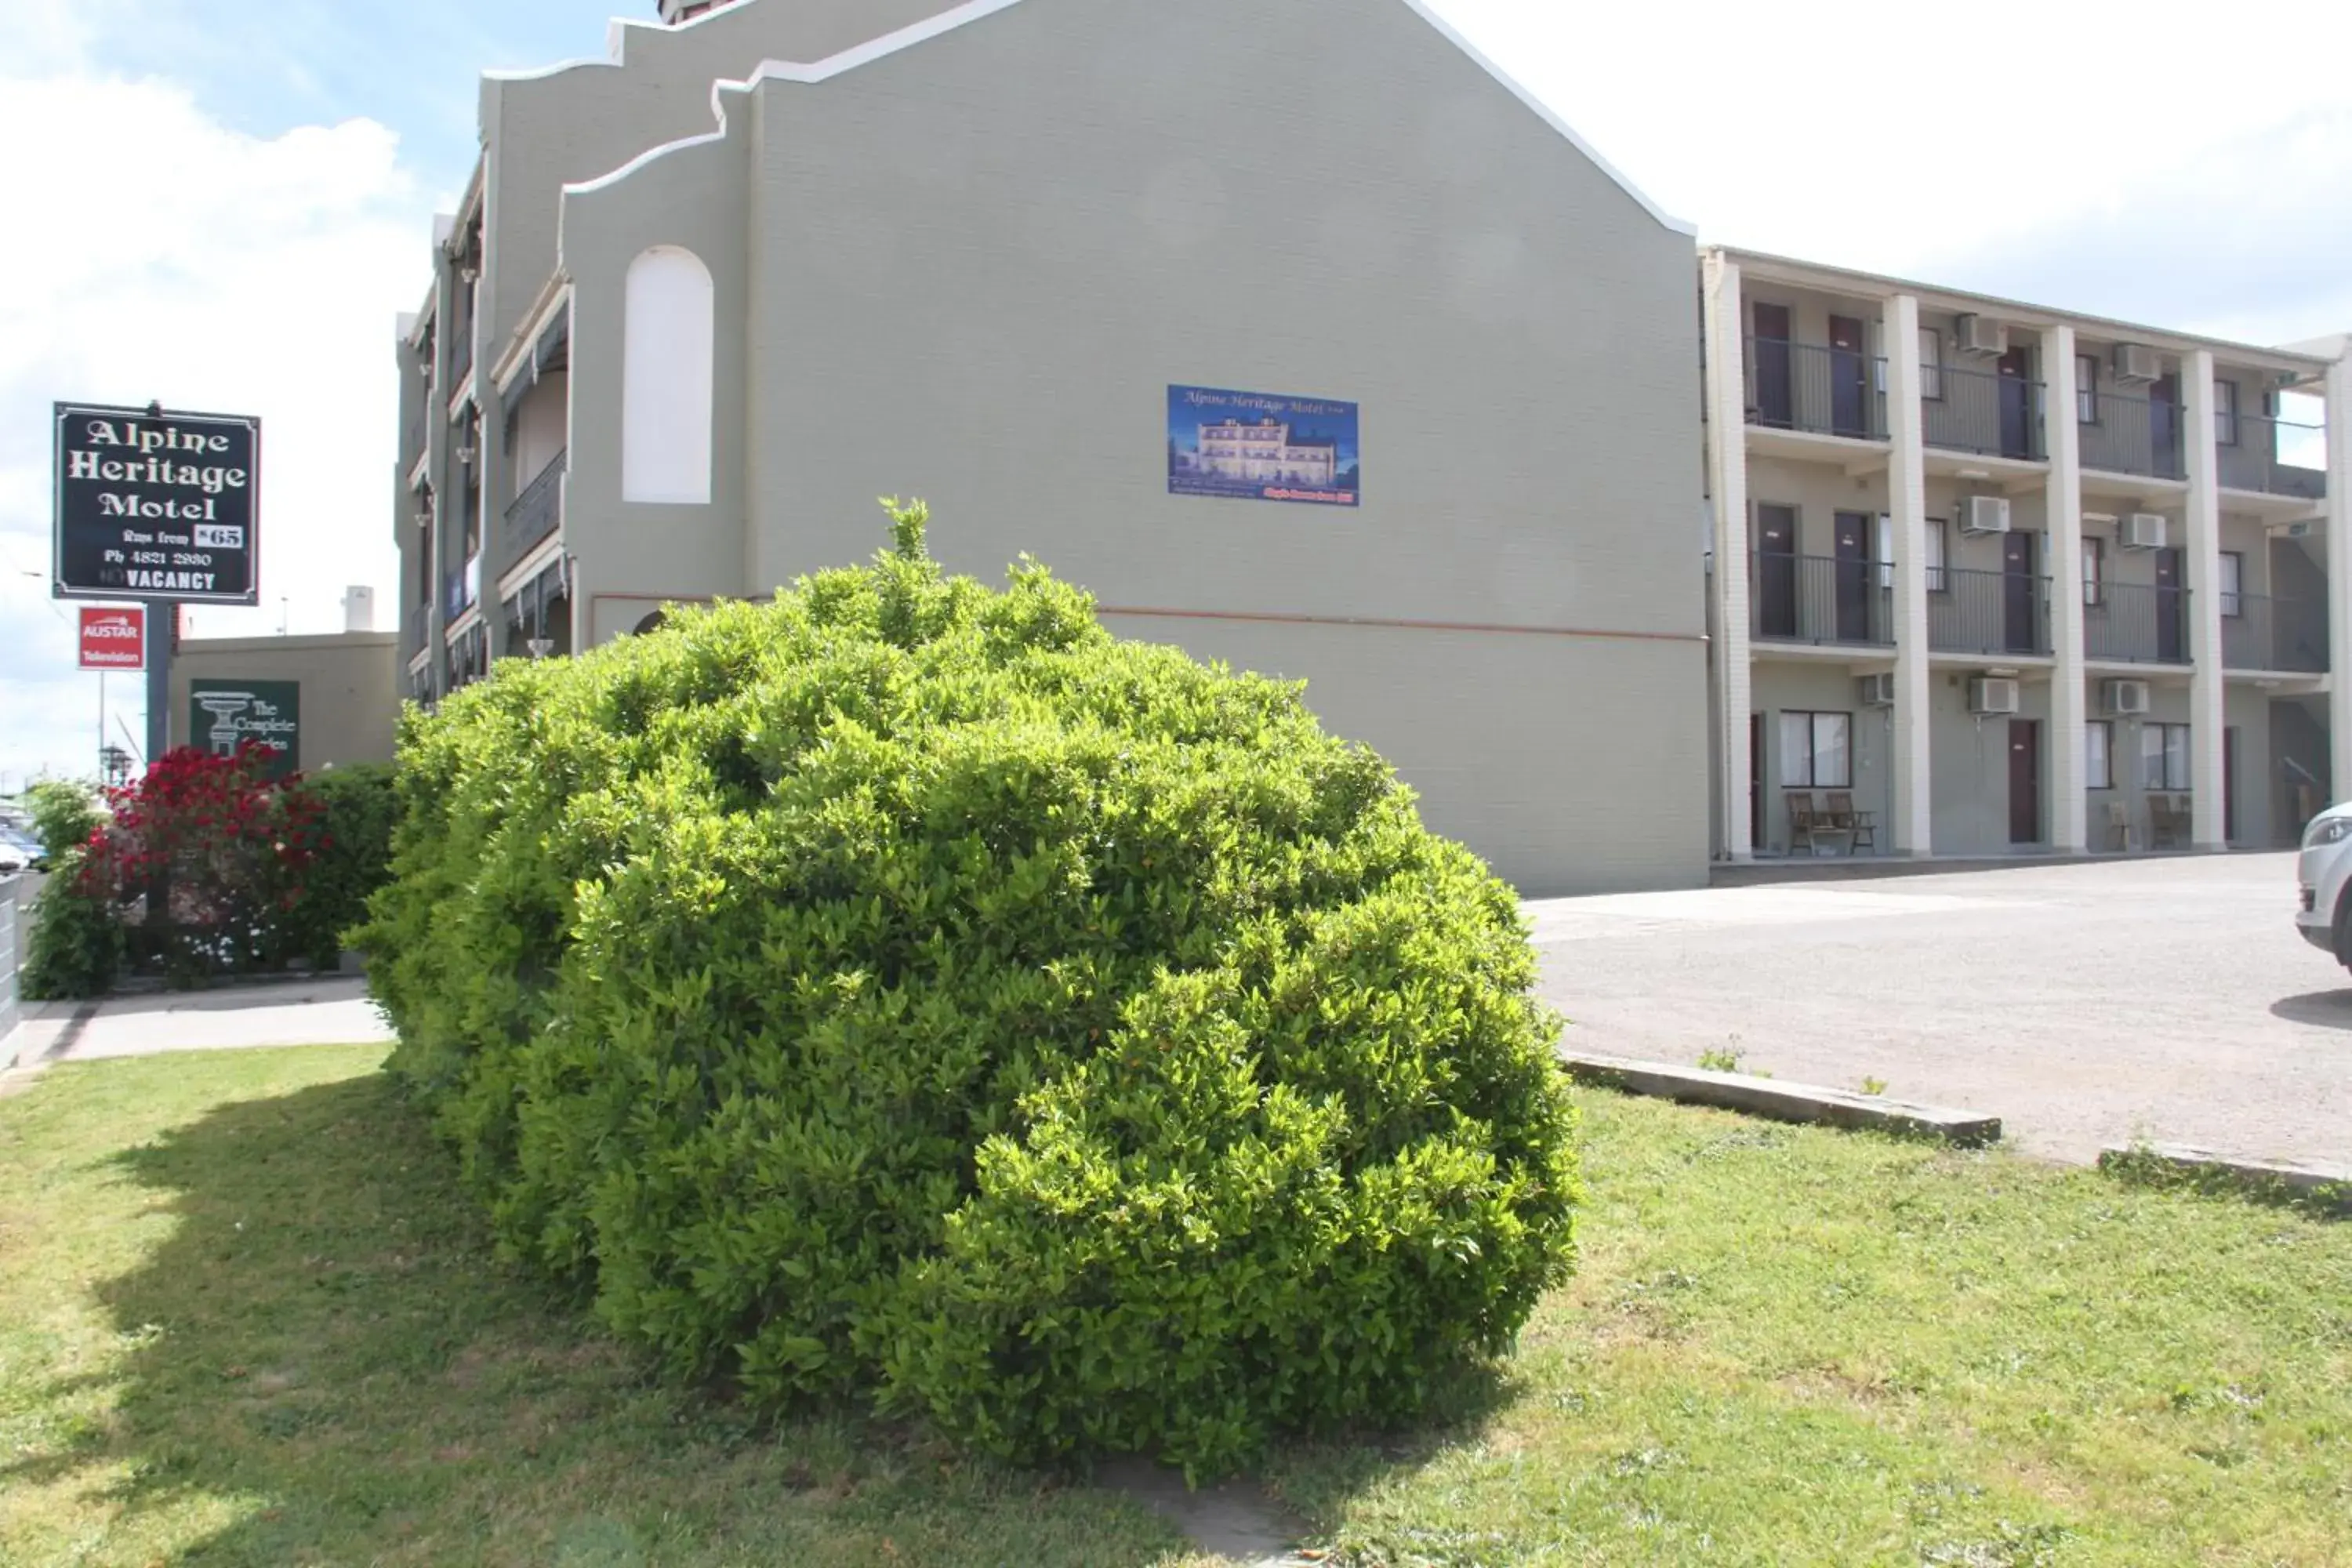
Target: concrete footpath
{"x":331,"y":1010}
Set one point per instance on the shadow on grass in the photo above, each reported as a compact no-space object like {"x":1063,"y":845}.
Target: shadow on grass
{"x":327,"y":1352}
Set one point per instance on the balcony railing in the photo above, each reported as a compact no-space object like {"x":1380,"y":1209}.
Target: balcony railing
{"x":2262,"y":633}
{"x":2277,"y":457}
{"x":2132,"y":436}
{"x":1806,"y":386}
{"x":1819,"y":600}
{"x":2135,"y":623}
{"x":1988,"y":612}
{"x":539,"y":511}
{"x":1977,"y":411}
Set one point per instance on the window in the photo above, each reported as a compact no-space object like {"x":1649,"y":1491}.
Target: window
{"x":1934,"y":553}
{"x":2098,"y":754}
{"x":2087,"y":389}
{"x":2094,"y":573}
{"x":668,"y":334}
{"x":2225,"y":413}
{"x":2232,"y":583}
{"x":1816,"y":750}
{"x":2164,"y":756}
{"x":1931,"y":363}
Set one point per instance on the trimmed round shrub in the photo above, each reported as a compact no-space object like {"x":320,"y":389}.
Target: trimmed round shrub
{"x":908,"y":989}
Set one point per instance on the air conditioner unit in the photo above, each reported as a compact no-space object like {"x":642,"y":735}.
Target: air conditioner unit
{"x":1877,"y":690}
{"x":2136,"y":362}
{"x":1985,"y":514}
{"x":2142,"y":530}
{"x":1980,"y":335}
{"x":1992,"y":695}
{"x":2123,"y":698}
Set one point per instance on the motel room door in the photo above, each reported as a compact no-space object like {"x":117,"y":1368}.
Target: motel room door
{"x":2021,"y":595}
{"x":1848,"y":378}
{"x":2025,"y":780}
{"x":1776,"y":571}
{"x":1774,"y":361}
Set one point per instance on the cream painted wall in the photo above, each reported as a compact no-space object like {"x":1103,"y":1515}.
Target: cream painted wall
{"x":350,"y":687}
{"x":1970,"y":765}
{"x":970,"y":272}
{"x":1823,"y":686}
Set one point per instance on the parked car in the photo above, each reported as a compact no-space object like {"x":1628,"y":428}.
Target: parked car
{"x":20,"y":851}
{"x":2324,"y":913}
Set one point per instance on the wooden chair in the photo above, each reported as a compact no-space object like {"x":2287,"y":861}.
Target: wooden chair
{"x":2168,"y":823}
{"x":1857,"y":826}
{"x":1804,"y":822}
{"x":2119,"y":826}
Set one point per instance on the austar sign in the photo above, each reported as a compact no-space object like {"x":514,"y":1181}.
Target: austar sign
{"x":114,"y":640}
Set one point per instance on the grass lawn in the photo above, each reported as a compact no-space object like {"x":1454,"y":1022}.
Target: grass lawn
{"x":245,"y":1318}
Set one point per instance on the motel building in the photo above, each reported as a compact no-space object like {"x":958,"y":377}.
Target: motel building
{"x":1989,"y":578}
{"x":1264,"y":453}
{"x":711,"y":291}
{"x":1984,"y":578}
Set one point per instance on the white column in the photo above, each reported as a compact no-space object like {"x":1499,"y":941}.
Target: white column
{"x":1912,"y":831}
{"x":2203,"y":543}
{"x":2339,"y":575}
{"x":2070,"y":811}
{"x":1727,"y":413}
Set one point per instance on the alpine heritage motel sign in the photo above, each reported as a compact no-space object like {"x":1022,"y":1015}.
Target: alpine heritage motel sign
{"x":156,"y":506}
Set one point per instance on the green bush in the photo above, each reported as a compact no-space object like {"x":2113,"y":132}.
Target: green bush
{"x":76,"y":948}
{"x":907,"y":987}
{"x":63,"y":814}
{"x":351,"y":858}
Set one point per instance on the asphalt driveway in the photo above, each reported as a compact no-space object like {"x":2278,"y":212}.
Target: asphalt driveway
{"x":2084,"y":1004}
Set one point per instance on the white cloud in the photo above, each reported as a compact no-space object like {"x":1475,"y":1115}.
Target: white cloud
{"x":158,"y":254}
{"x":1953,"y":145}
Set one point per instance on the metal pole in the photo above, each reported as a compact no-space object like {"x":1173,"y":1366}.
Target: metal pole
{"x":163,"y":620}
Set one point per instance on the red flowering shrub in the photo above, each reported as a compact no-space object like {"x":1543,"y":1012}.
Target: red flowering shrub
{"x":204,"y":857}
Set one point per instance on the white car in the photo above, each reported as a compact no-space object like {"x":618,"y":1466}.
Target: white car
{"x":2322,"y":870}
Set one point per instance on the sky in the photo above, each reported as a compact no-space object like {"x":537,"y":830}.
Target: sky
{"x":225,"y":206}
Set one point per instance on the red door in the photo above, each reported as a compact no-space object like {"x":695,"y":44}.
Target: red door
{"x":2024,"y":781}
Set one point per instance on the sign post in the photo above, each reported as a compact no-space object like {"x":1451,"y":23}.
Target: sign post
{"x":111,"y":638}
{"x":163,"y":508}
{"x":159,"y":677}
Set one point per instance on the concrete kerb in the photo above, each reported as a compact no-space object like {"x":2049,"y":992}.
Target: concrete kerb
{"x":2326,"y":1189}
{"x":1783,"y":1101}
